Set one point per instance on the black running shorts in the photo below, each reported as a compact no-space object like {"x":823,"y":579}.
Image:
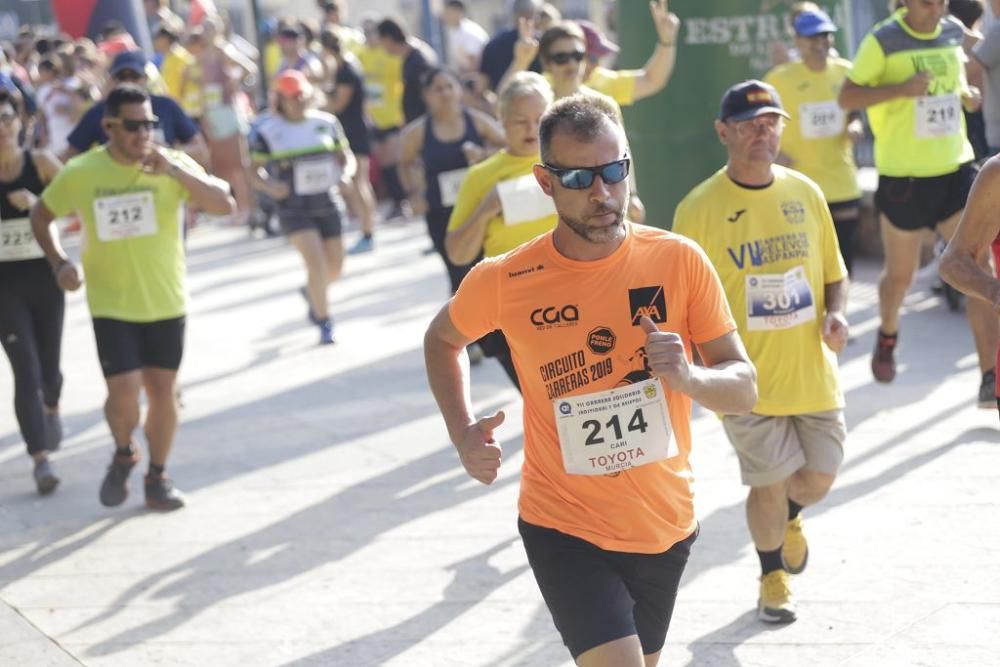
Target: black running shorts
{"x":128,"y":346}
{"x":597,"y":596}
{"x":912,"y":204}
{"x":328,"y":224}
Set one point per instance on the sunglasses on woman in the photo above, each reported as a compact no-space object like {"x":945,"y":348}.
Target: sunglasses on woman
{"x":564,"y":57}
{"x":581,"y":178}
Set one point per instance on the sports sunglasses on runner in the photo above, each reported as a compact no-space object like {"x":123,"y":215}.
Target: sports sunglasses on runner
{"x":581,"y":178}
{"x":134,"y":125}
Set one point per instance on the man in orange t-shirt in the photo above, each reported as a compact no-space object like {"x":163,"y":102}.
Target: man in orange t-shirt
{"x":601,"y":316}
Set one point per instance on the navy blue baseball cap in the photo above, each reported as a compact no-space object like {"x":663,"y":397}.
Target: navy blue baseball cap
{"x":749,"y":99}
{"x":129,"y":60}
{"x":811,"y":23}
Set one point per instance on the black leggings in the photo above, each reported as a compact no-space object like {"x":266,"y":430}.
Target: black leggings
{"x":437,"y":228}
{"x":31,"y":324}
{"x":847,"y":228}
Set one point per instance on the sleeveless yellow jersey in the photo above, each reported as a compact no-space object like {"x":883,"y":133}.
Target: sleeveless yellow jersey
{"x":816,"y":136}
{"x":383,"y":86}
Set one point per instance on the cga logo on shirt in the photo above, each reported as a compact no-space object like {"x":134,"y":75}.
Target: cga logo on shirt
{"x":553,"y":316}
{"x":794,"y":211}
{"x":648,"y":301}
{"x":565,"y":408}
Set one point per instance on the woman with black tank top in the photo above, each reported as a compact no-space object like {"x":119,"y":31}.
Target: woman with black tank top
{"x":31,"y":303}
{"x":438,"y":148}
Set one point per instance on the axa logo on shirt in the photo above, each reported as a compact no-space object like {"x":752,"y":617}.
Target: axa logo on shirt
{"x":555,"y":316}
{"x":767,"y":251}
{"x":648,"y":301}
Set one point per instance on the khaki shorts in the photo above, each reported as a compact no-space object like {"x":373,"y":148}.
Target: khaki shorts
{"x":772,"y":449}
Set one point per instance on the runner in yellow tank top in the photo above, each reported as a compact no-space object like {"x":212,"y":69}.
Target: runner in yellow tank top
{"x":819,"y":140}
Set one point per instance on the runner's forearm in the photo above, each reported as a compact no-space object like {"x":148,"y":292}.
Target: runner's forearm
{"x":729,"y":387}
{"x":854,"y":97}
{"x":41,"y":227}
{"x":448,"y":375}
{"x":962,"y":271}
{"x":835,"y":295}
{"x":207,"y":193}
{"x":463,"y":244}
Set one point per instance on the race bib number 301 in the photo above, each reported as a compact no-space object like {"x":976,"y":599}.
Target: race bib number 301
{"x":779,"y":300}
{"x":126,"y":216}
{"x":938,"y":116}
{"x":619,"y":429}
{"x":17,"y":242}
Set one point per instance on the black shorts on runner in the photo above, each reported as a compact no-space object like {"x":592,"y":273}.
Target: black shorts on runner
{"x":382,"y":133}
{"x":129,"y":346}
{"x":912,"y":204}
{"x":597,"y":596}
{"x":328,"y":225}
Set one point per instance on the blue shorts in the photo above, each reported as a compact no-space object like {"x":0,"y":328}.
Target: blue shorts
{"x":597,"y":596}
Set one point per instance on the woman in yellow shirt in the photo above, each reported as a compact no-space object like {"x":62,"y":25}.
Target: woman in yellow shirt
{"x":499,"y":205}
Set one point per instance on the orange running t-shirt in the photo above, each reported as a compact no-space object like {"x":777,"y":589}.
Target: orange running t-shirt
{"x":573,"y":328}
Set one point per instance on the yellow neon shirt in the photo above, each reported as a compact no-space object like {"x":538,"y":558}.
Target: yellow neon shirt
{"x":755,"y":235}
{"x":916,"y":138}
{"x":619,"y":85}
{"x":479,"y":182}
{"x":137,"y":279}
{"x":383,"y":86}
{"x":816,"y":136}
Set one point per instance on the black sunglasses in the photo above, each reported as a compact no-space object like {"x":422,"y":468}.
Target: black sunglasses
{"x":564,"y":57}
{"x":128,"y":76}
{"x":581,"y":178}
{"x":134,"y":125}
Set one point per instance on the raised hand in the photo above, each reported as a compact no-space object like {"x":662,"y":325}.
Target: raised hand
{"x":667,"y":24}
{"x":526,"y":47}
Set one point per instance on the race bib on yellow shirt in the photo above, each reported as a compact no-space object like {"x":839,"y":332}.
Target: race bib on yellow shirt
{"x":779,"y":300}
{"x":821,"y":120}
{"x":17,"y":241}
{"x":614,"y":430}
{"x":125,"y":216}
{"x":523,"y":201}
{"x":449,"y":183}
{"x":937,"y":116}
{"x":375,"y":92}
{"x":313,"y":177}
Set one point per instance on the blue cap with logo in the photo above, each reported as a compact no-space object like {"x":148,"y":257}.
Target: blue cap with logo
{"x":749,"y":99}
{"x":129,"y":60}
{"x":812,"y":23}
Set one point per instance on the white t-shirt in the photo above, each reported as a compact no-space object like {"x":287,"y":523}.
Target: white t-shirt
{"x":56,"y":103}
{"x":465,"y":43}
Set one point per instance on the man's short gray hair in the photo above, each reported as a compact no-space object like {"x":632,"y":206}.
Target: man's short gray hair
{"x":584,"y":116}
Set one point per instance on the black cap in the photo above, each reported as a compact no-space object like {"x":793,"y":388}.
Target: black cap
{"x":750,"y":99}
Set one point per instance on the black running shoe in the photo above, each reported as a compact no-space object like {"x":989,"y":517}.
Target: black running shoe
{"x":114,"y":488}
{"x":161,"y":494}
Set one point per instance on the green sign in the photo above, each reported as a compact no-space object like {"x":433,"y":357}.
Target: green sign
{"x":721,"y":42}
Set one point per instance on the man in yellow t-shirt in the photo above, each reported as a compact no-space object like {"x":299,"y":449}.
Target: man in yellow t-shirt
{"x":909,"y":74}
{"x":499,"y":205}
{"x":384,"y":105}
{"x":819,"y":140}
{"x":603,"y":316}
{"x":768,"y":231}
{"x":129,"y":196}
